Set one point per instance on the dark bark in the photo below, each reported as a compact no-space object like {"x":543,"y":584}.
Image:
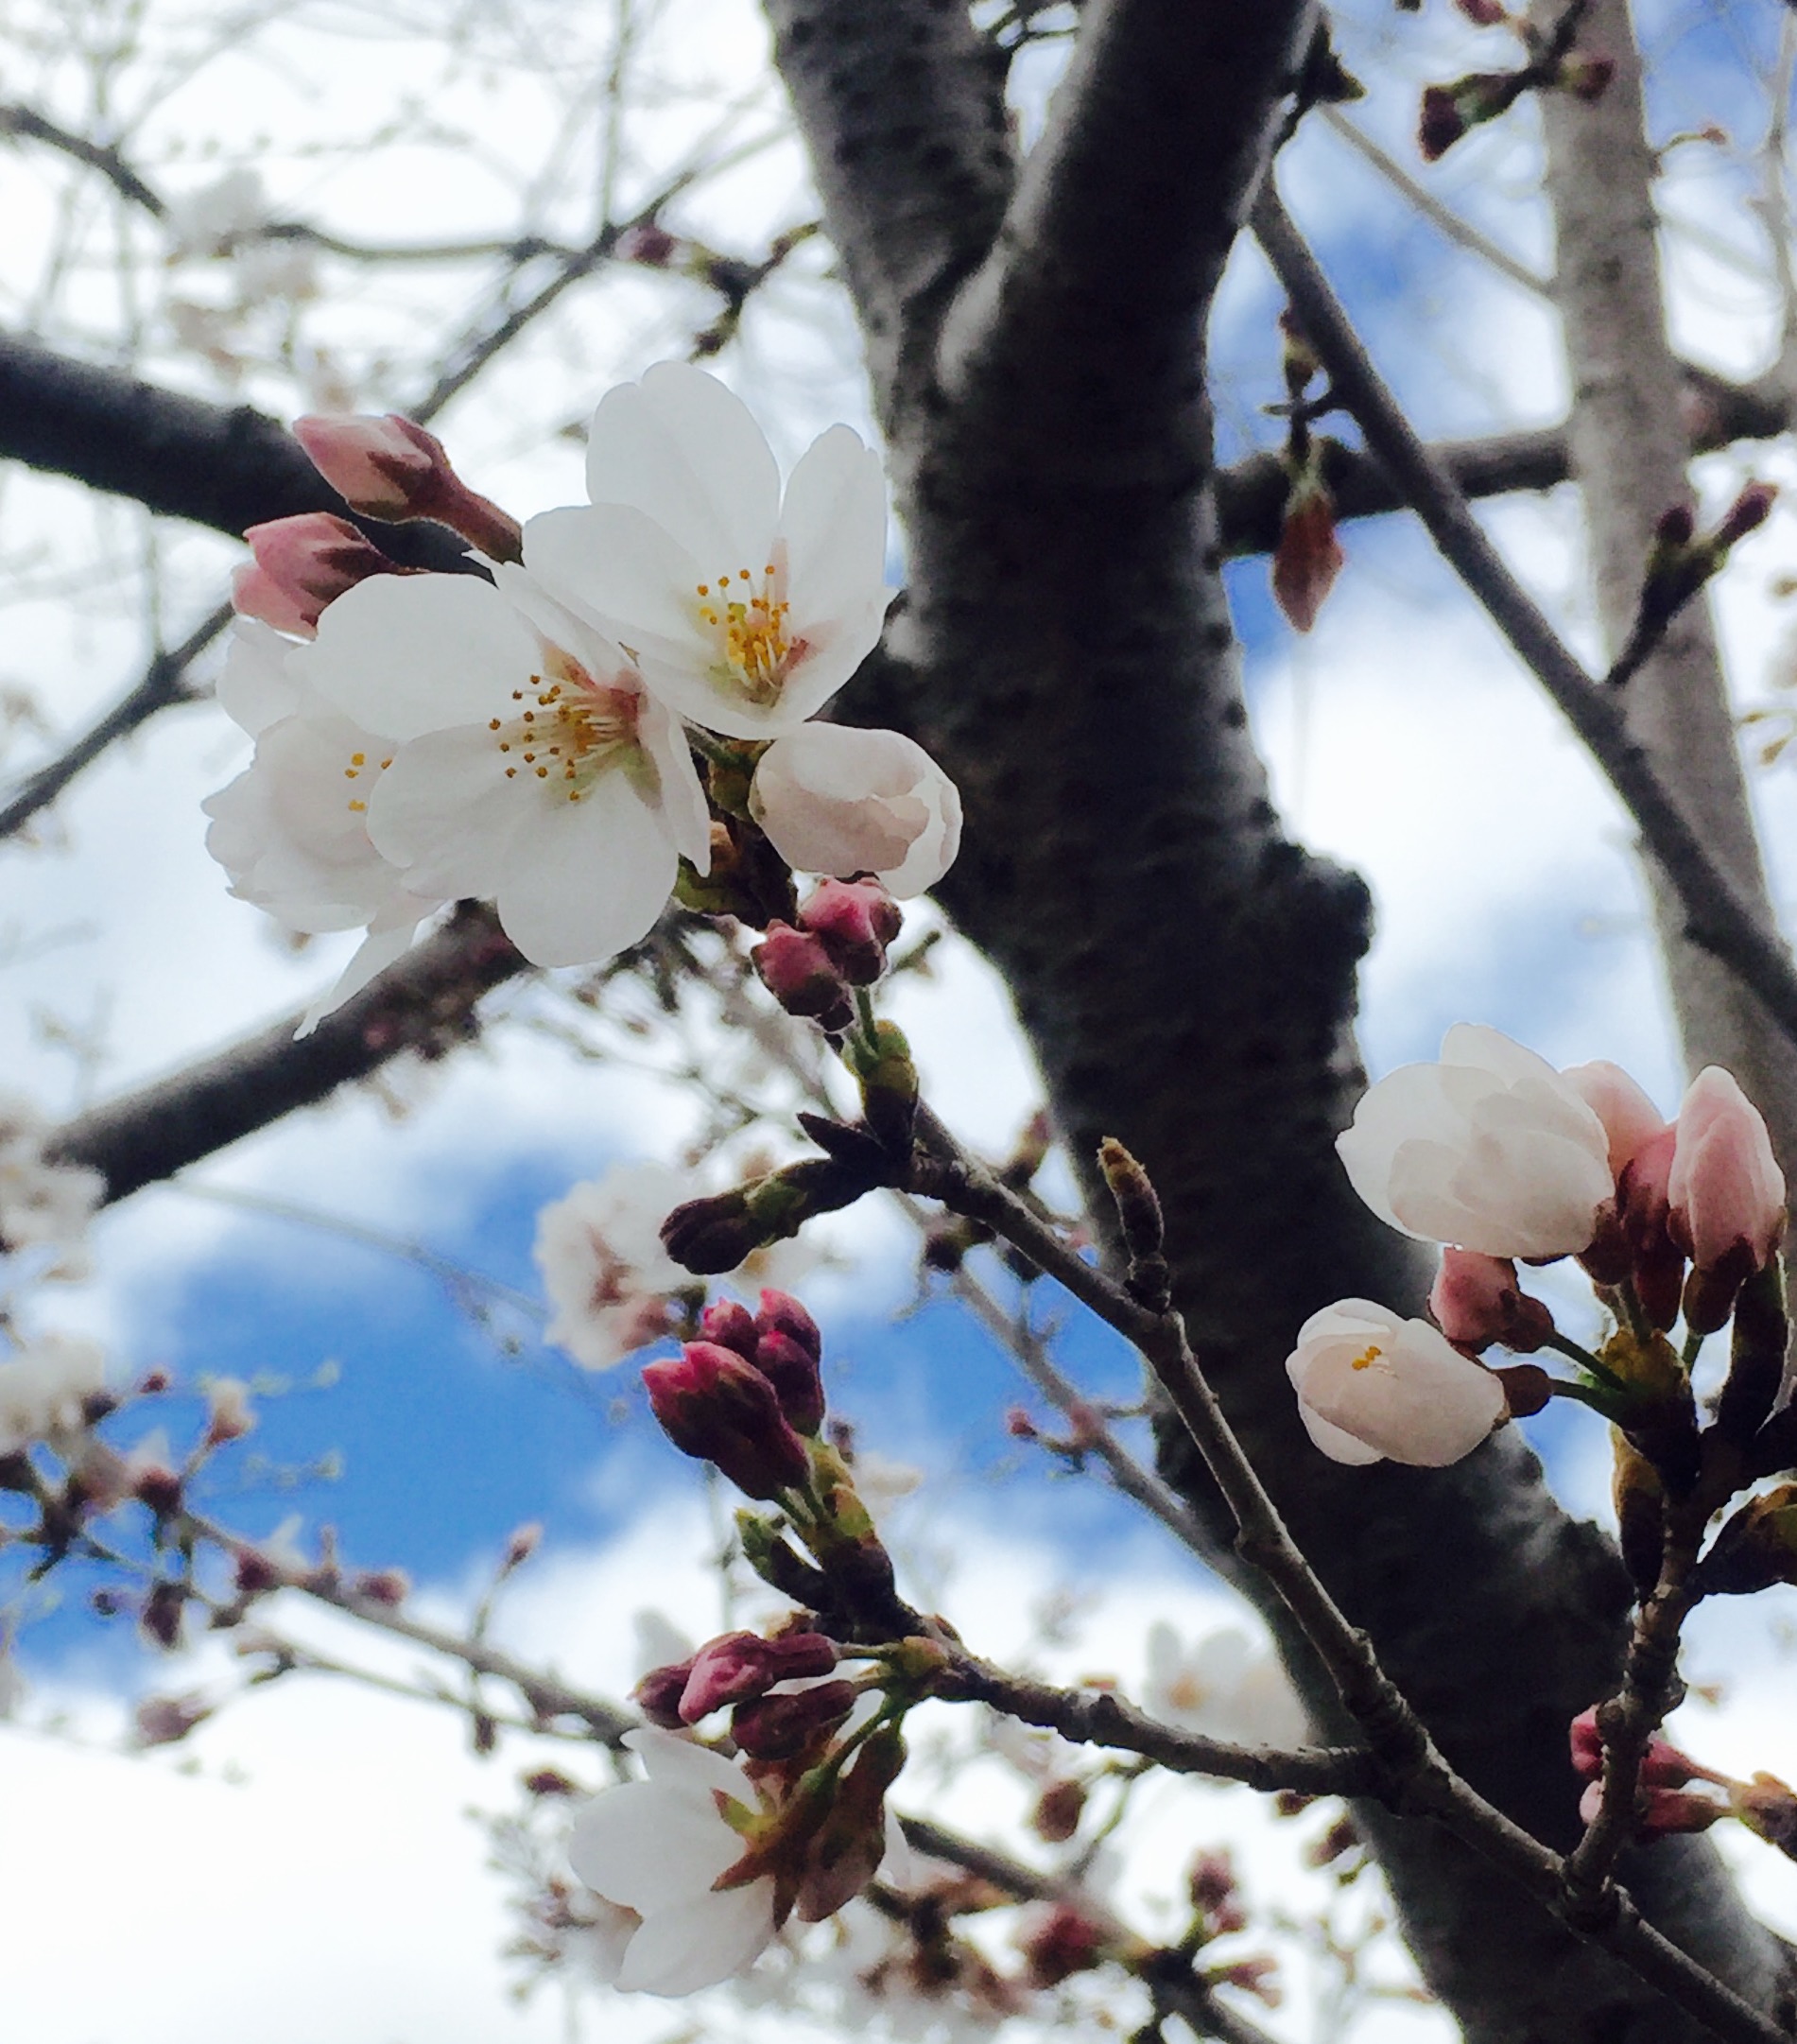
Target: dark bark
{"x":424,"y":1004}
{"x":224,"y":466}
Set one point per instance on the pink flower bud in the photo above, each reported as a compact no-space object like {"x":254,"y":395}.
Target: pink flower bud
{"x":718,"y":1408}
{"x":781,"y":1727}
{"x":781,"y":1313}
{"x":657,"y":1696}
{"x":855,"y":921}
{"x":1475,"y":1301}
{"x":390,"y":468}
{"x":1659,"y":1811}
{"x":1749,"y":509}
{"x":802,"y":976}
{"x":301,"y":565}
{"x":1663,"y":1767}
{"x":731,"y":1325}
{"x":1629,"y":1118}
{"x":1726,"y":1194}
{"x":1063,"y":1943}
{"x":738,"y":1666}
{"x":793,"y":1373}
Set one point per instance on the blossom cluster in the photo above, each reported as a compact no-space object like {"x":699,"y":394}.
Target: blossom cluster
{"x":527,"y":735}
{"x":1501,"y":1159}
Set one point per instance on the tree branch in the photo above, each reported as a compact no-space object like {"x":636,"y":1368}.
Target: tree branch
{"x":425,"y":1004}
{"x":103,"y":156}
{"x":1719,"y":914}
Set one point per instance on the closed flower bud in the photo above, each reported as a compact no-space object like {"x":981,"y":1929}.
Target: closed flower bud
{"x":801,"y":975}
{"x":392,"y":468}
{"x":658,"y":1695}
{"x":1659,"y":1812}
{"x":1059,"y":1808}
{"x":782,"y":1727}
{"x":1371,"y":1385}
{"x":301,"y":564}
{"x":1490,"y":1149}
{"x":1768,"y":1808}
{"x":889,"y":1083}
{"x":835,"y":800}
{"x":738,"y":1666}
{"x":1630,"y":1117}
{"x":718,"y":1408}
{"x":1063,"y":1943}
{"x":781,"y":1313}
{"x":793,"y":1370}
{"x":1749,"y":510}
{"x":1726,"y":1194}
{"x":855,"y":921}
{"x":1476,"y":1300}
{"x":731,"y":1325}
{"x":1662,"y":1766}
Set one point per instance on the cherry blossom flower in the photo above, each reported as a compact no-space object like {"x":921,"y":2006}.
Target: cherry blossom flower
{"x":42,"y":1205}
{"x":658,"y":1848}
{"x":1224,"y":1686}
{"x":840,"y":801}
{"x":1491,"y":1148}
{"x":45,"y":1388}
{"x":599,"y":1252}
{"x":1371,"y":1385}
{"x":291,"y":830}
{"x":746,"y":610}
{"x":1631,"y":1121}
{"x":532,"y":769}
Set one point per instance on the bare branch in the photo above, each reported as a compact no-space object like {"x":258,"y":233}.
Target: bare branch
{"x":103,"y":156}
{"x":425,"y":1004}
{"x":1719,"y":914}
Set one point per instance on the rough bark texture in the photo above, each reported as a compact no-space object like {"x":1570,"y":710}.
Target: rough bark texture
{"x":1630,"y":454}
{"x":1185,"y":973}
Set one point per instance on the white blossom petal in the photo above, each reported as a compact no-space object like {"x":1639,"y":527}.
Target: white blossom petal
{"x":686,"y":451}
{"x":707,"y":1940}
{"x":614,"y":863}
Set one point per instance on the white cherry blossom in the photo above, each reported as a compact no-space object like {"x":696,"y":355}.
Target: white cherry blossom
{"x":1224,"y":1686}
{"x":291,"y":830}
{"x":599,"y":1251}
{"x":836,"y":800}
{"x":43,"y":1386}
{"x":1371,"y":1385}
{"x":746,"y":609}
{"x":531,"y":768}
{"x":1491,"y":1148}
{"x":42,"y":1205}
{"x":657,"y":1847}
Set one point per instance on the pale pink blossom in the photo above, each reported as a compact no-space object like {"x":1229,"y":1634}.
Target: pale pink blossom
{"x":44,"y":1387}
{"x":1224,"y":1686}
{"x":532,"y":768}
{"x":43,"y":1205}
{"x":1631,"y":1121}
{"x":1490,"y":1149}
{"x":392,"y":468}
{"x":746,"y":609}
{"x":599,"y":1252}
{"x":659,"y":1848}
{"x":836,"y":800}
{"x":1476,"y":1300}
{"x":1370,"y":1384}
{"x":1725,"y":1188}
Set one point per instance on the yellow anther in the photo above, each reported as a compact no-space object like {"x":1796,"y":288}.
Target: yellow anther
{"x":1368,"y":1356}
{"x":358,"y":806}
{"x":359,"y":759}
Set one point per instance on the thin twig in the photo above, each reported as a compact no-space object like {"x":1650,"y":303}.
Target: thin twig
{"x":1422,"y":1781}
{"x":1719,"y":915}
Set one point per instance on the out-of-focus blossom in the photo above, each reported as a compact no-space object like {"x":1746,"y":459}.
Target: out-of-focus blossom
{"x":1490,"y":1149}
{"x":42,"y":1205}
{"x":1224,"y":1686}
{"x":1476,"y":1300}
{"x":1371,"y":1385}
{"x":44,"y":1387}
{"x":746,"y":610}
{"x":532,"y":769}
{"x":659,"y":1848}
{"x":840,"y":801}
{"x":599,"y":1251}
